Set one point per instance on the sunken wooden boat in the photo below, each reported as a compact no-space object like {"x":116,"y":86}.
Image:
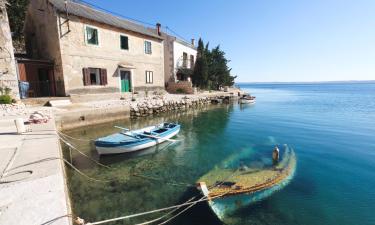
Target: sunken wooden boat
{"x":247,"y":99}
{"x":130,"y":141}
{"x":229,"y":189}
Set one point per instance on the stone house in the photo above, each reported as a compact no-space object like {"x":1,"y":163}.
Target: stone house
{"x":8,"y":73}
{"x":93,"y":51}
{"x":178,"y":54}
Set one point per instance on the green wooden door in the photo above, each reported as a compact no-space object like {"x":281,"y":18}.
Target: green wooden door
{"x":125,"y":81}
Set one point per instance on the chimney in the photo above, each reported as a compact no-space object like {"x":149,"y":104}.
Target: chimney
{"x":193,"y":42}
{"x":158,"y":26}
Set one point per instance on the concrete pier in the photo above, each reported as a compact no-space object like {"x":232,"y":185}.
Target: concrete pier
{"x":32,"y":178}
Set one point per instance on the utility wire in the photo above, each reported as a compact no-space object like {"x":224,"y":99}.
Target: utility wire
{"x":132,"y":19}
{"x":114,"y":13}
{"x":176,"y":34}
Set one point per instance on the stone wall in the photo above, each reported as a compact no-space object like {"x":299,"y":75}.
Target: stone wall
{"x":77,"y":54}
{"x":168,"y":57}
{"x":185,"y":86}
{"x":42,"y":37}
{"x":51,"y":35}
{"x":159,"y":104}
{"x":8,"y":72}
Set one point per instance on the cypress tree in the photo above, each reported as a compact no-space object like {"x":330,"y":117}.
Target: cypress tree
{"x":200,"y":74}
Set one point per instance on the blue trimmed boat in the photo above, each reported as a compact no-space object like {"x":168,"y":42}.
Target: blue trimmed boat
{"x":130,"y":141}
{"x":229,"y":189}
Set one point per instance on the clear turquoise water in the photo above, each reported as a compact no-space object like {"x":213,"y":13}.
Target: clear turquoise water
{"x":330,"y":126}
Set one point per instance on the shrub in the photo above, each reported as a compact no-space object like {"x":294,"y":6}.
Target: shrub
{"x":5,"y":99}
{"x":180,"y":91}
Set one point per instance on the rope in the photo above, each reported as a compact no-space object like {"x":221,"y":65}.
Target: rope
{"x":184,"y":210}
{"x":57,"y":218}
{"x":187,"y":203}
{"x":4,"y":172}
{"x":165,"y":215}
{"x":73,"y":147}
{"x":54,"y":158}
{"x":167,"y":182}
{"x":73,"y":138}
{"x":148,"y":212}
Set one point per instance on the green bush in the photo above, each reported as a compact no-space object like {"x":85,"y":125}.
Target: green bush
{"x":180,"y":91}
{"x":5,"y":99}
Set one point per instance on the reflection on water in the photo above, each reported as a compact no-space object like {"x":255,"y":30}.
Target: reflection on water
{"x":202,"y":146}
{"x":331,"y":127}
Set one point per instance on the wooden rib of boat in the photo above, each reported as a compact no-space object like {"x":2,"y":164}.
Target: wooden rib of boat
{"x":244,"y":186}
{"x":130,"y":141}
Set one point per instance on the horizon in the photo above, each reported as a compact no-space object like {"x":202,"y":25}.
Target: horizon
{"x":308,"y":82}
{"x":289,"y":41}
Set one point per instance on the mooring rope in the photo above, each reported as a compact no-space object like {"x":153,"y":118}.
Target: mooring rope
{"x":54,"y":158}
{"x":188,"y":203}
{"x":80,"y":152}
{"x":74,"y":138}
{"x":182,"y":211}
{"x":165,"y":215}
{"x":58,"y":218}
{"x":162,"y":180}
{"x":147,"y":212}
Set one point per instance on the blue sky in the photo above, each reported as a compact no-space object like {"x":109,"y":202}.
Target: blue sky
{"x":266,"y":41}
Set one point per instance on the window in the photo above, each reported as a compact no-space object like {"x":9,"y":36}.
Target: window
{"x":124,"y":42}
{"x":92,"y":36}
{"x":94,"y":76}
{"x":148,"y":49}
{"x":149,"y":77}
{"x":184,"y":59}
{"x":191,"y":61}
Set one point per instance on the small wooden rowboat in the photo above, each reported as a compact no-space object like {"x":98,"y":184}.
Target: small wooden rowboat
{"x":244,"y":186}
{"x":247,"y":99}
{"x":130,"y":141}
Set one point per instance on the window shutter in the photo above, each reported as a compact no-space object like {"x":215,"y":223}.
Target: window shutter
{"x":86,"y":76}
{"x":103,"y":77}
{"x":124,"y":42}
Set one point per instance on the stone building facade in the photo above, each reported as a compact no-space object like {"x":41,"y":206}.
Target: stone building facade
{"x":92,"y":51}
{"x":8,"y":73}
{"x":177,"y":54}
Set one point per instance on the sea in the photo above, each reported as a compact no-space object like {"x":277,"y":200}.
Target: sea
{"x":330,"y":126}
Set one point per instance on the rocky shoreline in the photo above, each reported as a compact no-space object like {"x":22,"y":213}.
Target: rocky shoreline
{"x":160,"y":104}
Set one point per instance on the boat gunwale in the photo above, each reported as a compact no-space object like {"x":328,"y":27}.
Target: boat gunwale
{"x":258,"y":187}
{"x":140,"y":141}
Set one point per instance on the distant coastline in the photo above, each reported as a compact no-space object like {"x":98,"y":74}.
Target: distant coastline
{"x":311,"y":82}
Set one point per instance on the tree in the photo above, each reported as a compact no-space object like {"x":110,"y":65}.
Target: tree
{"x":16,"y":14}
{"x":220,"y":73}
{"x":200,"y":74}
{"x":211,"y":68}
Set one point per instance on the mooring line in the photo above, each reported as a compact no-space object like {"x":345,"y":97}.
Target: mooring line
{"x":73,"y":138}
{"x":165,"y":215}
{"x":80,"y":152}
{"x":167,"y":182}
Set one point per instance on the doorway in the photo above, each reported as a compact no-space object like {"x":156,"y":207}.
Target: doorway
{"x":125,"y":81}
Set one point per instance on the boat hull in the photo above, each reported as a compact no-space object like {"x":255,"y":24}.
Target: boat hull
{"x":229,"y":204}
{"x":137,"y":146}
{"x":247,"y":101}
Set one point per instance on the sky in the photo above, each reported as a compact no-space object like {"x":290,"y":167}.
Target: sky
{"x":272,"y":41}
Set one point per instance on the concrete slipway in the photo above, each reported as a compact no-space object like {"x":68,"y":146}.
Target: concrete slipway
{"x":38,"y":194}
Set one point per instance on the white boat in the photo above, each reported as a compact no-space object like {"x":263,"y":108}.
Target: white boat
{"x":130,"y":141}
{"x":247,"y":99}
